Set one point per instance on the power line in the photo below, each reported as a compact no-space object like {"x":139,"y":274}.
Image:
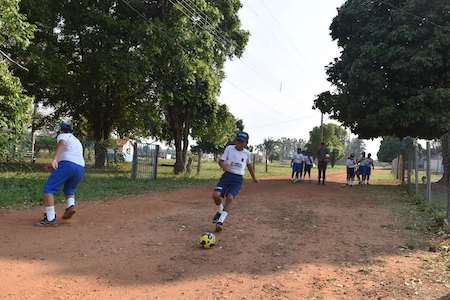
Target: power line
{"x":227,"y":80}
{"x":217,"y":37}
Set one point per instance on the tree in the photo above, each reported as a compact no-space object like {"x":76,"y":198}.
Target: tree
{"x":89,"y":63}
{"x":392,"y":147}
{"x":288,"y":146}
{"x":15,"y":32}
{"x":334,"y":138}
{"x":189,"y":70}
{"x":392,"y":78}
{"x":355,"y":146}
{"x":268,"y":147}
{"x":218,"y":133}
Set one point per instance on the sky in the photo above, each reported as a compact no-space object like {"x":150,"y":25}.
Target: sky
{"x":273,"y":86}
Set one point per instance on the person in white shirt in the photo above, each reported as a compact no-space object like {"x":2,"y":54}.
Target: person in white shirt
{"x":68,"y":170}
{"x":297,"y":163}
{"x":309,"y":162}
{"x":351,"y":165}
{"x":233,"y":161}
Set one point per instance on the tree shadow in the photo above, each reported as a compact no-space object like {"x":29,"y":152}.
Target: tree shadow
{"x":275,"y":226}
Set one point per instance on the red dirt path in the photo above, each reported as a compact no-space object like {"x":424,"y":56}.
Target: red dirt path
{"x":282,"y":241}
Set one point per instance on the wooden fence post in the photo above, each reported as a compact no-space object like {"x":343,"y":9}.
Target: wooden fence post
{"x":416,"y":167}
{"x":428,"y":196}
{"x":134,"y":164}
{"x":155,"y":163}
{"x":199,"y":162}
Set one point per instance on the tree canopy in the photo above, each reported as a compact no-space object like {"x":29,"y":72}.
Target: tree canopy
{"x":333,"y":137}
{"x":393,"y":74}
{"x":15,"y":32}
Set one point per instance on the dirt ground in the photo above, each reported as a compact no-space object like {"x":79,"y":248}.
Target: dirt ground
{"x":282,"y":241}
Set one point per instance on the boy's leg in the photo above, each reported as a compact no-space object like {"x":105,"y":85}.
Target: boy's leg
{"x":69,"y":190}
{"x":324,"y":173}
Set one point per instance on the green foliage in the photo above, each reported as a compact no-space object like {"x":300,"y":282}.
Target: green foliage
{"x":355,"y":146}
{"x":219,"y":131}
{"x":391,"y":147}
{"x":392,"y":77}
{"x":15,"y":32}
{"x":333,"y":137}
{"x":287,"y":147}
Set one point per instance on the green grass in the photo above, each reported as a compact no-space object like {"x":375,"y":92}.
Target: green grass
{"x":22,"y":184}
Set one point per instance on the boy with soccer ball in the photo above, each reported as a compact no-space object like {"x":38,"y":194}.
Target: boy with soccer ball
{"x":233,"y":162}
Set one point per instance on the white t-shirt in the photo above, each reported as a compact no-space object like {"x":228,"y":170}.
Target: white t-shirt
{"x":298,"y":158}
{"x":309,"y":160}
{"x":73,"y":150}
{"x":350,"y":163}
{"x":238,"y":160}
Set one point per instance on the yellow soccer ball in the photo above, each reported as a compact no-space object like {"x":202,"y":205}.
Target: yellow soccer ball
{"x":207,"y":240}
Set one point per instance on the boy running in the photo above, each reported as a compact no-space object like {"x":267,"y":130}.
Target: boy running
{"x":233,"y":162}
{"x":351,"y":165}
{"x":297,"y":165}
{"x":370,"y":166}
{"x":68,"y":170}
{"x":308,"y":165}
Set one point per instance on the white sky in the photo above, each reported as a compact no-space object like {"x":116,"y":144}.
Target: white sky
{"x":289,"y":47}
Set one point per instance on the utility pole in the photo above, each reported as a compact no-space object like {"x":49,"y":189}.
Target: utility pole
{"x":321,"y":128}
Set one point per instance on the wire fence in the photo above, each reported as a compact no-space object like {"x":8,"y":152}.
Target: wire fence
{"x":424,"y":175}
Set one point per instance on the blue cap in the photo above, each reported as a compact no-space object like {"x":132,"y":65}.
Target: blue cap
{"x":242,"y":136}
{"x":65,"y":126}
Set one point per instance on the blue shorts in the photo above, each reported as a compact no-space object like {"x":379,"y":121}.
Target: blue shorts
{"x":68,"y":174}
{"x":229,"y":184}
{"x":296,"y":167}
{"x":363,"y":170}
{"x":350,"y":172}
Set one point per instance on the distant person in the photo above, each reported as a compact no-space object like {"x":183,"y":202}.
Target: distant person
{"x":297,"y":163}
{"x":370,"y":166}
{"x":233,"y":161}
{"x":322,"y":162}
{"x":309,"y":162}
{"x":68,"y":170}
{"x":363,"y":162}
{"x":351,"y":165}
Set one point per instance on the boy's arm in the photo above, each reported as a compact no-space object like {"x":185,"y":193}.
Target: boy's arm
{"x":59,"y":150}
{"x":252,"y":173}
{"x":223,"y":165}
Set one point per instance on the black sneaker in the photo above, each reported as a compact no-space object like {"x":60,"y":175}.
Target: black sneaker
{"x":45,"y":222}
{"x":216,"y":218}
{"x":69,"y":212}
{"x":219,"y":226}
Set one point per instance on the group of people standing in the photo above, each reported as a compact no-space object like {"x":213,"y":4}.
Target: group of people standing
{"x":360,"y":168}
{"x":302,"y":163}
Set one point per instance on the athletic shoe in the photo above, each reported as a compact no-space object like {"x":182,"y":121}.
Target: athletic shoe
{"x":45,"y":222}
{"x":219,"y":226}
{"x":69,"y":212}
{"x":216,"y":217}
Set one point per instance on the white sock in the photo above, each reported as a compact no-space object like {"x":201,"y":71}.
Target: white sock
{"x":220,"y":206}
{"x":50,"y":211}
{"x":70,"y":201}
{"x":223,"y":216}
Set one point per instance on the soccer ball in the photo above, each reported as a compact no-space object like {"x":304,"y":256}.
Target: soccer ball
{"x":207,"y":240}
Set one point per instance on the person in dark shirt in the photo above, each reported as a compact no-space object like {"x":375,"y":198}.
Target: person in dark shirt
{"x":322,"y":162}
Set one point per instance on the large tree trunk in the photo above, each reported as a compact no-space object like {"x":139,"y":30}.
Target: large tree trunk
{"x":445,"y":158}
{"x":101,"y":134}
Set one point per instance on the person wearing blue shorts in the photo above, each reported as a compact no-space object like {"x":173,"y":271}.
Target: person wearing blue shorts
{"x":68,"y":171}
{"x":233,"y":161}
{"x":297,"y":163}
{"x":363,"y":168}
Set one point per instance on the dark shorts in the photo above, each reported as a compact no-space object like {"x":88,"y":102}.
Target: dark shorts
{"x":296,"y":167}
{"x":68,"y":174}
{"x":351,"y":172}
{"x":229,"y":184}
{"x":363,"y":170}
{"x":369,"y":170}
{"x":308,"y":168}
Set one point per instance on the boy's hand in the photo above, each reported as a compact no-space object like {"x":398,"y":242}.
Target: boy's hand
{"x":55,"y":164}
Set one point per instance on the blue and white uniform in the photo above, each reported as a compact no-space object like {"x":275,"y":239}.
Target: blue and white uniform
{"x":231,"y":181}
{"x":363,"y":166}
{"x":350,"y":168}
{"x":70,"y":169}
{"x":297,"y":162}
